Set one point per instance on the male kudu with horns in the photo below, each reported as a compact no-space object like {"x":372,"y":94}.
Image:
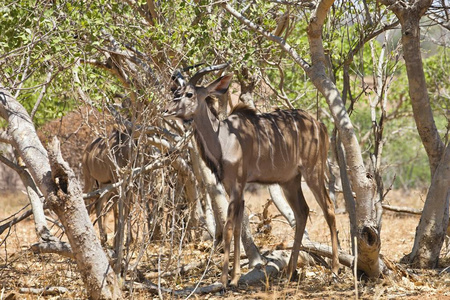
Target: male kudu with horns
{"x":278,"y":147}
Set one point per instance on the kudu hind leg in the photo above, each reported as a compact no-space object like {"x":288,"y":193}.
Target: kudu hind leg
{"x":316,"y":183}
{"x":294,"y":195}
{"x":95,"y":205}
{"x":101,"y":219}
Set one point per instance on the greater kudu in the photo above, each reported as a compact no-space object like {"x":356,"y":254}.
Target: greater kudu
{"x":278,"y":147}
{"x":102,"y":160}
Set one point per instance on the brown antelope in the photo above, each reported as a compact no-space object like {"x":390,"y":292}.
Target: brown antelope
{"x":278,"y":147}
{"x":101,"y":161}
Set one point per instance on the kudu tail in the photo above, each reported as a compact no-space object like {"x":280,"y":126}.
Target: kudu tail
{"x":323,"y":155}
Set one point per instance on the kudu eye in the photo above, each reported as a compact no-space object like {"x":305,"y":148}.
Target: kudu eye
{"x":189,"y":95}
{"x":177,"y":96}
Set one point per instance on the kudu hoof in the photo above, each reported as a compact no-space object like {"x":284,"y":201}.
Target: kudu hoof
{"x":334,"y":277}
{"x":224,"y":282}
{"x":104,"y":241}
{"x":234,"y":283}
{"x":294,"y":276}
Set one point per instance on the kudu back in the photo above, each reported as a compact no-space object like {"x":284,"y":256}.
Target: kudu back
{"x":102,"y":159}
{"x":279,"y":147}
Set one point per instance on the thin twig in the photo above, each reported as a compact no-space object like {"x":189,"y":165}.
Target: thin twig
{"x":16,"y":220}
{"x":42,"y":93}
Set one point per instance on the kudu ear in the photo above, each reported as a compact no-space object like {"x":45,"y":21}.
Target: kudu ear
{"x":220,"y":86}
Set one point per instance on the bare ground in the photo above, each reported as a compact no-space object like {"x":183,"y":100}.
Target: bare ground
{"x":20,"y":268}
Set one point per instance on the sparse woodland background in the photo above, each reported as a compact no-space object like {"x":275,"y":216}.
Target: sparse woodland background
{"x":376,"y":73}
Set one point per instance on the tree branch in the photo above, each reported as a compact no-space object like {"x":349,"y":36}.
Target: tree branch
{"x":140,"y":9}
{"x":58,"y":247}
{"x":15,"y":220}
{"x":58,"y":184}
{"x":25,"y":140}
{"x":78,"y":86}
{"x":400,"y":209}
{"x":268,"y":35}
{"x":47,"y":291}
{"x":42,"y":93}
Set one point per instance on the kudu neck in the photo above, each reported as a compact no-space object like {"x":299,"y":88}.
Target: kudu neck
{"x":207,"y":127}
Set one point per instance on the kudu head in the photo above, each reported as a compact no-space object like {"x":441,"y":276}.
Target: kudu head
{"x":188,"y":96}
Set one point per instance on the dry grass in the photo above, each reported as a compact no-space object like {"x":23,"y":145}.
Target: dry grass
{"x":19,"y":267}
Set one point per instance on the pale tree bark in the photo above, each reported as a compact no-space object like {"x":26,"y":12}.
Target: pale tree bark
{"x":34,"y":196}
{"x":67,"y":202}
{"x":187,"y":176}
{"x":276,"y":193}
{"x":363,"y":185}
{"x":210,"y":219}
{"x":58,"y":184}
{"x":433,"y":222}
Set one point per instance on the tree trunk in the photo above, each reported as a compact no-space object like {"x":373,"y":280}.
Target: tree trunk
{"x":433,"y":223}
{"x":432,"y":226}
{"x":208,"y":211}
{"x":410,"y":21}
{"x":350,"y":204}
{"x":62,"y":191}
{"x":188,"y":178}
{"x":100,"y":280}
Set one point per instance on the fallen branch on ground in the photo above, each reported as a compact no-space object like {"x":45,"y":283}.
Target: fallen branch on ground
{"x":47,"y":291}
{"x":408,"y":210}
{"x":153,"y":288}
{"x":278,"y":261}
{"x":181,"y":270}
{"x":324,"y":250}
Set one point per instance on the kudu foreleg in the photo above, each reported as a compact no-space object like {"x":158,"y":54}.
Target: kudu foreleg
{"x":232,"y":229}
{"x":227,"y":235}
{"x":99,"y":203}
{"x":236,"y":274}
{"x":294,"y":195}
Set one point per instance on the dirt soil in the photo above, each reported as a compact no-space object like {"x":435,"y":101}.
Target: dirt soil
{"x":20,"y":268}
